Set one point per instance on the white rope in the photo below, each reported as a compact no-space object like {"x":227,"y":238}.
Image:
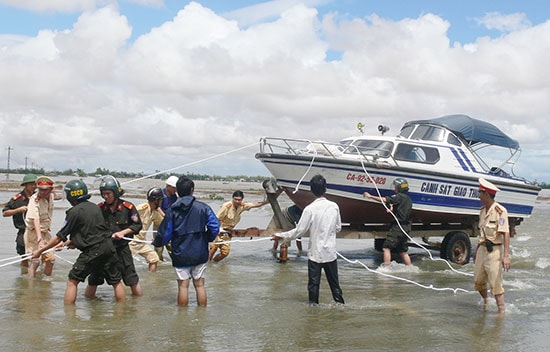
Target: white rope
{"x":63,"y":259}
{"x":220,"y":242}
{"x":242,"y":241}
{"x":182,"y":166}
{"x":15,"y":257}
{"x":401,"y":228}
{"x":455,"y":290}
{"x":431,"y":287}
{"x":17,"y":260}
{"x":136,"y":240}
{"x":190,"y":164}
{"x":23,"y":257}
{"x":388,"y":210}
{"x":307,"y":171}
{"x":405,"y":232}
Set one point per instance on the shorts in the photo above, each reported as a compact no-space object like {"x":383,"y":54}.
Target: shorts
{"x":100,"y":260}
{"x":225,"y":248}
{"x":190,"y":272}
{"x":31,"y":244}
{"x":125,"y":265}
{"x":396,"y":241}
{"x":145,"y":250}
{"x":20,"y":242}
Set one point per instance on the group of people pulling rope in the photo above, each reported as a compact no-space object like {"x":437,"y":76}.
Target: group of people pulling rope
{"x":103,"y":233}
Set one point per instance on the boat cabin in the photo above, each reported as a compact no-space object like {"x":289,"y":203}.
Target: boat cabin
{"x":432,"y":145}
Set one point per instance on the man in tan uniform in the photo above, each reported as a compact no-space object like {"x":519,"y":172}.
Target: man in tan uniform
{"x":150,"y":213}
{"x":38,"y":220}
{"x":493,"y":249}
{"x":229,"y":215}
{"x":17,"y":208}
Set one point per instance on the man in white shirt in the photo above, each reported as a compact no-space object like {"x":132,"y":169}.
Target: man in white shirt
{"x":321,"y":220}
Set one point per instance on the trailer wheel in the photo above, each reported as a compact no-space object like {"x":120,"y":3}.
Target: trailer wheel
{"x":456,"y":247}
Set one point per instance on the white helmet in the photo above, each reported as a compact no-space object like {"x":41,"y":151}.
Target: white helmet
{"x":172,"y":180}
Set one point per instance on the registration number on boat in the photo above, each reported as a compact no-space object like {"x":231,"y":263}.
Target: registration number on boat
{"x":364,"y":179}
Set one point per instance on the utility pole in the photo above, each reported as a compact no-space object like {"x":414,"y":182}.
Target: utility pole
{"x":9,"y":155}
{"x":26,"y":159}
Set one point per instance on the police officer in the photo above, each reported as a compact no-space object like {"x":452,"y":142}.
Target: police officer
{"x":16,"y":208}
{"x":493,"y":249}
{"x":122,"y":220}
{"x":38,"y":220}
{"x":149,"y":213}
{"x":400,"y":205}
{"x":86,"y":227}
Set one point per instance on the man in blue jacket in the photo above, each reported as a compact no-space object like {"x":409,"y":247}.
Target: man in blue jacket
{"x":189,"y":225}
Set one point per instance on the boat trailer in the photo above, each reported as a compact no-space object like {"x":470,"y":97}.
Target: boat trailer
{"x":454,"y":245}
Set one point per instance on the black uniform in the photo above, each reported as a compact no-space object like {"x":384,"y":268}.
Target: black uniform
{"x":124,"y":216}
{"x":396,"y":240}
{"x":88,"y":232}
{"x":17,"y":201}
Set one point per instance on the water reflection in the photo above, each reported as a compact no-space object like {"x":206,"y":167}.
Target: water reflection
{"x":487,"y":329}
{"x":32,"y":298}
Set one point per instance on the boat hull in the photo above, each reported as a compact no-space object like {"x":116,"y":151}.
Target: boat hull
{"x":437,"y":197}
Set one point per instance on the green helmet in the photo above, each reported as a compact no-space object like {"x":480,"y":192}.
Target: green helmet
{"x":28,"y":178}
{"x":154,"y":194}
{"x":401,"y":185}
{"x":110,"y":183}
{"x":76,"y":191}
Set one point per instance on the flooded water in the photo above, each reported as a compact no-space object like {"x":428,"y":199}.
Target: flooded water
{"x":258,"y":304}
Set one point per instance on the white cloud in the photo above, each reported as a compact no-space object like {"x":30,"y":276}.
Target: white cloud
{"x":202,"y":84}
{"x":67,"y":6}
{"x":150,"y":3}
{"x":505,"y":23}
{"x":268,"y":10}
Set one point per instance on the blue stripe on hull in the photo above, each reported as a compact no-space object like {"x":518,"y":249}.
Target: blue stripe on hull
{"x":450,"y":203}
{"x":394,"y":174}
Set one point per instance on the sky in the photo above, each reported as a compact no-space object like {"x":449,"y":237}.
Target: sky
{"x":191,"y":86}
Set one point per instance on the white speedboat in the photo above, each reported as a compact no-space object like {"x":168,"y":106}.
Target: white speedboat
{"x":441,"y":159}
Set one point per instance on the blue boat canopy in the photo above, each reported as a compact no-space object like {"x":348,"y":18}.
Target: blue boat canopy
{"x":472,"y":130}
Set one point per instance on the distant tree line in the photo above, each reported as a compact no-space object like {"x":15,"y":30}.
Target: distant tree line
{"x":125,"y":174}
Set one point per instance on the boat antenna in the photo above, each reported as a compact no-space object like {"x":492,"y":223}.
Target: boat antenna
{"x":361,"y":127}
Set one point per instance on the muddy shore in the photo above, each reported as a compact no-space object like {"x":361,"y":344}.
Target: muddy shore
{"x":213,"y":190}
{"x":203,"y":189}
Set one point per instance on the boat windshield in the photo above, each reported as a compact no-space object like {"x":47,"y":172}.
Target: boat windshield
{"x":423,"y":132}
{"x":406,"y":131}
{"x":429,"y":133}
{"x":369,"y":147}
{"x":345,"y":142}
